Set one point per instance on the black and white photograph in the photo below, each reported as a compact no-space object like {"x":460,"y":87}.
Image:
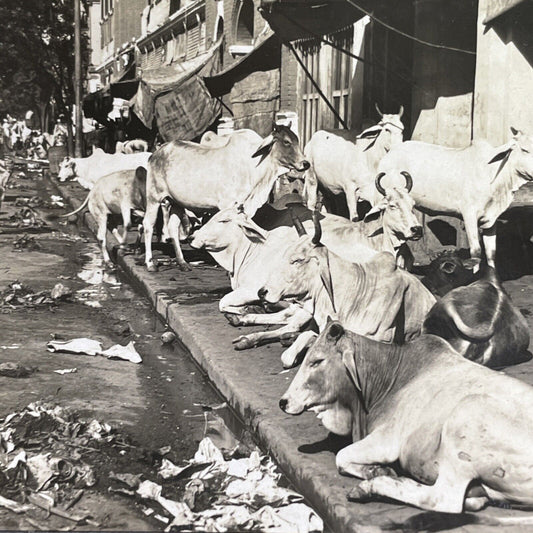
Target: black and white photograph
{"x":266,"y":266}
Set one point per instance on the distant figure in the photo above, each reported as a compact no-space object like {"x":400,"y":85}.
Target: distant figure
{"x":60,"y":131}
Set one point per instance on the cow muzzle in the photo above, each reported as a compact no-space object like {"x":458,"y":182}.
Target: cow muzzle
{"x":416,"y":233}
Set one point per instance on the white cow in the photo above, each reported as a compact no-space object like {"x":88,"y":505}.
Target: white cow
{"x":203,"y":178}
{"x":476,"y":183}
{"x":87,"y":170}
{"x":340,"y":165}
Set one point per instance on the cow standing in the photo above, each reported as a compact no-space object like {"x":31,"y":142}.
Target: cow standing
{"x":340,"y":165}
{"x":452,"y":425}
{"x":204,"y":178}
{"x":476,"y":183}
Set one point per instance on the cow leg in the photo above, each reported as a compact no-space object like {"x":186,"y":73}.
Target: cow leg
{"x":290,"y":355}
{"x":101,"y":220}
{"x":234,"y":301}
{"x":351,"y":200}
{"x":264,"y":319}
{"x":472,"y":232}
{"x":310,"y":187}
{"x":447,"y":495}
{"x":489,"y":243}
{"x":126,"y":223}
{"x":298,"y":320}
{"x":174,"y":224}
{"x":150,"y":217}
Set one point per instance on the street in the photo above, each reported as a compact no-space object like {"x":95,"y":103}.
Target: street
{"x":161,"y":402}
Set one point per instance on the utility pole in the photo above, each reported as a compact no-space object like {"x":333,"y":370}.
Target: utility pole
{"x":78,"y":79}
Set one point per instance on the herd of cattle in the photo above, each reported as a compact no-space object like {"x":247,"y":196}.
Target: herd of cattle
{"x":397,"y":362}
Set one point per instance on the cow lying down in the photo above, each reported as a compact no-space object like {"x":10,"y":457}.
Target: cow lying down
{"x":118,"y":193}
{"x":453,"y":426}
{"x":481,"y":323}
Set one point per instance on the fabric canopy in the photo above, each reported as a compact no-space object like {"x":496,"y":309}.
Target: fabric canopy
{"x":176,"y":96}
{"x":265,"y":56}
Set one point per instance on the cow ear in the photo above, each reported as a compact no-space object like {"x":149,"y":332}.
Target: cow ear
{"x":335,"y":330}
{"x":448,"y":267}
{"x":375,"y":211}
{"x":252,"y":230}
{"x":265,"y":146}
{"x":515,"y":132}
{"x":502,"y":153}
{"x":348,"y":360}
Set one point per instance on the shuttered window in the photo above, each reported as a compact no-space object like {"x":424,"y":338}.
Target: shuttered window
{"x":193,"y":42}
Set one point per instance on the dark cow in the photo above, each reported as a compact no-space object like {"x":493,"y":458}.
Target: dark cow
{"x":450,"y":424}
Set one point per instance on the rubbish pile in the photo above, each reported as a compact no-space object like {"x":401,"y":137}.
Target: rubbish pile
{"x":26,"y":242}
{"x":237,"y":494}
{"x":19,"y":296}
{"x":92,"y":347}
{"x":36,"y":201}
{"x":41,"y":465}
{"x":26,"y":217}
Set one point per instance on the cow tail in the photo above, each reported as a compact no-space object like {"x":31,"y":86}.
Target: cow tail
{"x":82,"y":206}
{"x":480,"y":333}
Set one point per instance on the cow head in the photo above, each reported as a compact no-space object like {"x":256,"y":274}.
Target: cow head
{"x":396,"y":205}
{"x":67,"y":169}
{"x":303,"y":269}
{"x":388,"y":131}
{"x":446,"y":272}
{"x":283,"y":147}
{"x":225,"y":229}
{"x":520,"y":149}
{"x":323,"y":383}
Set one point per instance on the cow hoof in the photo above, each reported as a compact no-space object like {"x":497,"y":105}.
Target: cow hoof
{"x":243,"y":343}
{"x":287,"y":339}
{"x":360,"y":493}
{"x":288,"y":360}
{"x":109,"y":265}
{"x":233,"y":319}
{"x":152,"y":267}
{"x":184,"y":267}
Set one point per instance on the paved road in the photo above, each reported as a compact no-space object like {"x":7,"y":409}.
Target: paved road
{"x":152,"y":403}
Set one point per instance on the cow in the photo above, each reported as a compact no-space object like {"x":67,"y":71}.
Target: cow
{"x":87,"y":170}
{"x":476,"y":183}
{"x":6,"y":170}
{"x":204,"y":178}
{"x":481,"y":323}
{"x":118,"y":193}
{"x":340,"y":165}
{"x":131,"y":147}
{"x":240,"y":246}
{"x":450,"y":424}
{"x":374,"y":298}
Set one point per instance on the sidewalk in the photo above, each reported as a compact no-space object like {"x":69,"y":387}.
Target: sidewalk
{"x":252,"y":382}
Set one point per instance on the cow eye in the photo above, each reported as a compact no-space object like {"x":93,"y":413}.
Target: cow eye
{"x":286,"y":142}
{"x":315,"y":363}
{"x":525,"y":150}
{"x":296,"y":260}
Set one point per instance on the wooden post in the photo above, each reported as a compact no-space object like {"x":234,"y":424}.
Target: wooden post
{"x":78,"y":79}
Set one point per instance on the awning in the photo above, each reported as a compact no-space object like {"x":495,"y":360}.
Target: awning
{"x":124,"y":89}
{"x":265,"y":56}
{"x":177,"y":97}
{"x":303,"y":19}
{"x":497,"y":8}
{"x":98,"y":104}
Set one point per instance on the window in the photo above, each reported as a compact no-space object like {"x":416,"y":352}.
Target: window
{"x":245,"y":23}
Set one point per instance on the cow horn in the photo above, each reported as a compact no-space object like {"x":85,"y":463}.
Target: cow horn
{"x":297,"y":223}
{"x":379,"y":187}
{"x":378,"y":110}
{"x":400,"y":112}
{"x":319,"y":199}
{"x":408,"y":180}
{"x":318,"y":230}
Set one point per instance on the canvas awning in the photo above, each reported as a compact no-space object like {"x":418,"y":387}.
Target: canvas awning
{"x":304,"y":19}
{"x":176,"y":96}
{"x":497,"y":8}
{"x":266,"y":55}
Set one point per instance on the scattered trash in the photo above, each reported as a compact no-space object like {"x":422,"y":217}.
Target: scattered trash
{"x":91,"y":347}
{"x":168,"y":337}
{"x":15,"y":370}
{"x":93,"y":303}
{"x":164,"y":450}
{"x":26,"y":242}
{"x":246,"y":495}
{"x":60,"y":292}
{"x":57,"y":201}
{"x":66,"y":371}
{"x":26,"y":217}
{"x":18,"y":296}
